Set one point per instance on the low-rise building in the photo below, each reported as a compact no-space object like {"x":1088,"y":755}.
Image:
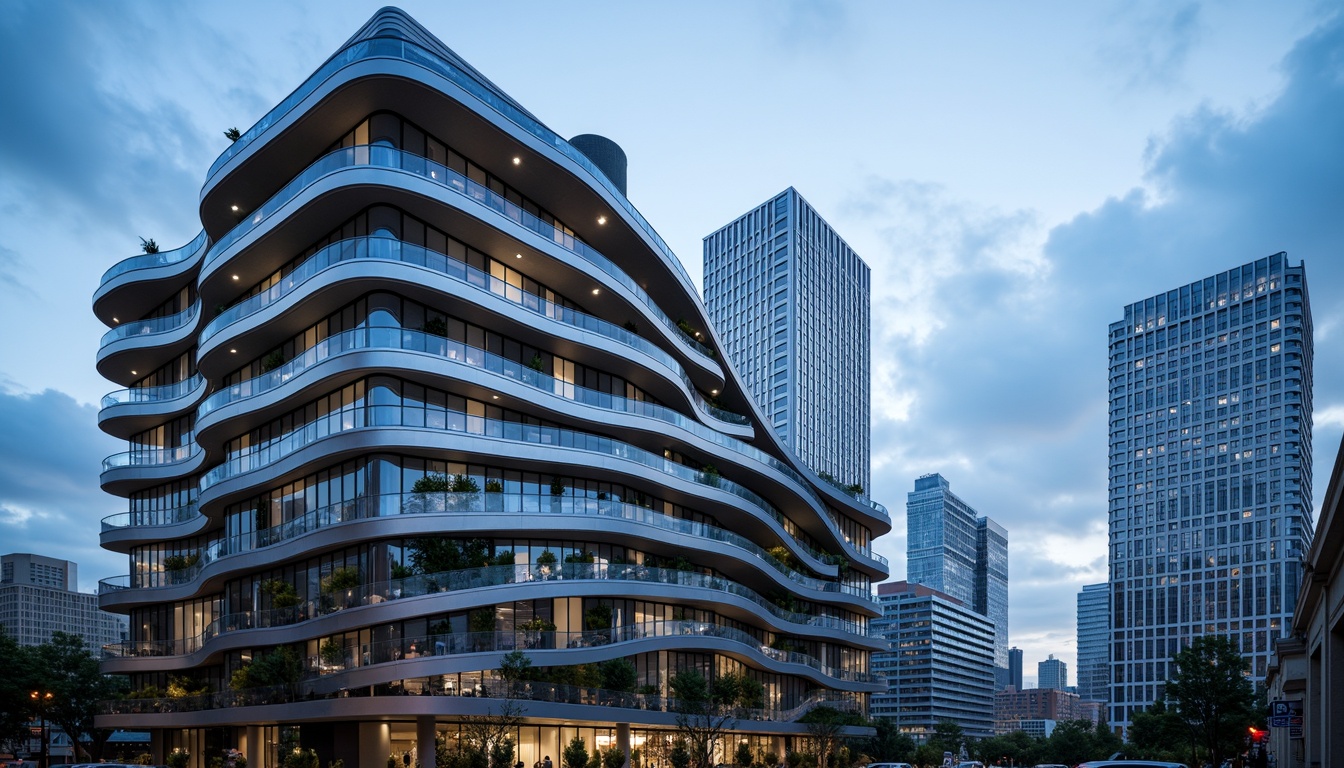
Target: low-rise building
{"x":1014,"y":709}
{"x":1307,"y":675}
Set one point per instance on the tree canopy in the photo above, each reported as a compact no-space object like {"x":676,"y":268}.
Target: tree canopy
{"x":1213,"y":695}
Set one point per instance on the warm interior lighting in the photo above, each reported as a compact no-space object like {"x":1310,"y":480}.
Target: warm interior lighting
{"x":115,"y":320}
{"x":234,"y":351}
{"x":517,"y":255}
{"x":133,"y":373}
{"x":234,"y":207}
{"x":601,"y":219}
{"x":596,"y":291}
{"x":517,"y":161}
{"x":494,"y":397}
{"x":235,"y":277}
{"x":713,"y":391}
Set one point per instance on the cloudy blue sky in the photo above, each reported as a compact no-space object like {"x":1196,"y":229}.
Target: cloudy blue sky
{"x":1013,"y":173}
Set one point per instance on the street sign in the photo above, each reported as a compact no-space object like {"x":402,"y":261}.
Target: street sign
{"x":1283,"y":712}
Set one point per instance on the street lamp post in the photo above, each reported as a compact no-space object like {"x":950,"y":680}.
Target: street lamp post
{"x":41,"y":702}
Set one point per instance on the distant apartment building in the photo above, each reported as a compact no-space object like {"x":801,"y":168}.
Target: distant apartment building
{"x":940,"y":662}
{"x":39,"y":596}
{"x":1210,"y":471}
{"x":790,"y":300}
{"x":953,"y":549}
{"x":1094,"y":642}
{"x":1013,"y":709}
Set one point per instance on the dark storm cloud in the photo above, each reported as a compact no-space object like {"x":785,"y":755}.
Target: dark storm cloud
{"x":50,"y":457}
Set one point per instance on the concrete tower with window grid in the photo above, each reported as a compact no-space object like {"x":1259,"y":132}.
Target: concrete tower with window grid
{"x":789,"y":298}
{"x":1210,"y":471}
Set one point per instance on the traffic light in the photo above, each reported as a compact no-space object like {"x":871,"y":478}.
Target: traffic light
{"x":1257,"y":735}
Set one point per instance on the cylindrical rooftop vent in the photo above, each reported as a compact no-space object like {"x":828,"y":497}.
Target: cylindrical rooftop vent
{"x":606,"y":154}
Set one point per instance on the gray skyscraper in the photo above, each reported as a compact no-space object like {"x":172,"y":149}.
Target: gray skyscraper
{"x":1052,"y":673}
{"x":1210,"y":470}
{"x":1015,"y":668}
{"x":951,"y":548}
{"x":1094,"y":642}
{"x":789,"y":299}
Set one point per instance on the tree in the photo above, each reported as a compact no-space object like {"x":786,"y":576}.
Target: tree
{"x":15,"y":670}
{"x":824,"y":725}
{"x":575,"y":754}
{"x":1158,"y":733}
{"x":1072,"y":742}
{"x":889,"y":745}
{"x":618,"y":675}
{"x":65,"y":667}
{"x":947,"y":737}
{"x":707,"y":709}
{"x":1213,"y":695}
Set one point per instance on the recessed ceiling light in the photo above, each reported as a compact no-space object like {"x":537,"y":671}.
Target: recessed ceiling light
{"x":517,"y":161}
{"x":234,"y":351}
{"x":596,"y":291}
{"x":713,"y":391}
{"x":133,"y":373}
{"x":494,"y":397}
{"x":235,"y":277}
{"x":601,"y":219}
{"x":115,"y":320}
{"x":234,"y":207}
{"x":518,"y":255}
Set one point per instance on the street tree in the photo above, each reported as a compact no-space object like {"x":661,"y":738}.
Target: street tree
{"x":1213,"y":695}
{"x":707,"y":709}
{"x":68,"y":670}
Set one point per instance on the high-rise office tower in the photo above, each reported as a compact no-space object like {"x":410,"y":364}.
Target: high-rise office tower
{"x":39,"y":596}
{"x":1052,"y":673}
{"x":790,"y":301}
{"x":1094,"y":642}
{"x":939,"y":664}
{"x":415,"y":399}
{"x":1210,"y":470}
{"x":951,"y":548}
{"x":1015,"y":668}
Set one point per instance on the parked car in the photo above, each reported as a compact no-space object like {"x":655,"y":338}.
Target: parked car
{"x":888,"y":765}
{"x":1130,"y":764}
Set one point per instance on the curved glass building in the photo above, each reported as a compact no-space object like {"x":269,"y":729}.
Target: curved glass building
{"x":426,"y":391}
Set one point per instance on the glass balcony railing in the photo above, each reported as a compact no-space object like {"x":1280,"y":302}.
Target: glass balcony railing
{"x":147,"y":395}
{"x":453,"y":644}
{"x":473,"y":505}
{"x":151,"y":518}
{"x":392,"y":48}
{"x":153,"y":325}
{"x":363,"y":416}
{"x":388,"y":249}
{"x":462,"y":580}
{"x":152,"y":457}
{"x":481,"y":686}
{"x":161,"y":259}
{"x":418,"y":341}
{"x":386,"y":157}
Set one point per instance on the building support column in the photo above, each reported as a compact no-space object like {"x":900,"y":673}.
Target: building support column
{"x":254,"y":746}
{"x":623,"y":742}
{"x":156,"y":746}
{"x":425,"y":734}
{"x":375,"y":744}
{"x":777,"y":746}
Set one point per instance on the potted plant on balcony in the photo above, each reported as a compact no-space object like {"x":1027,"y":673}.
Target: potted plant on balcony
{"x":546,"y":564}
{"x":178,"y":565}
{"x":332,"y":653}
{"x":178,"y":758}
{"x":341,"y":580}
{"x":494,"y":496}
